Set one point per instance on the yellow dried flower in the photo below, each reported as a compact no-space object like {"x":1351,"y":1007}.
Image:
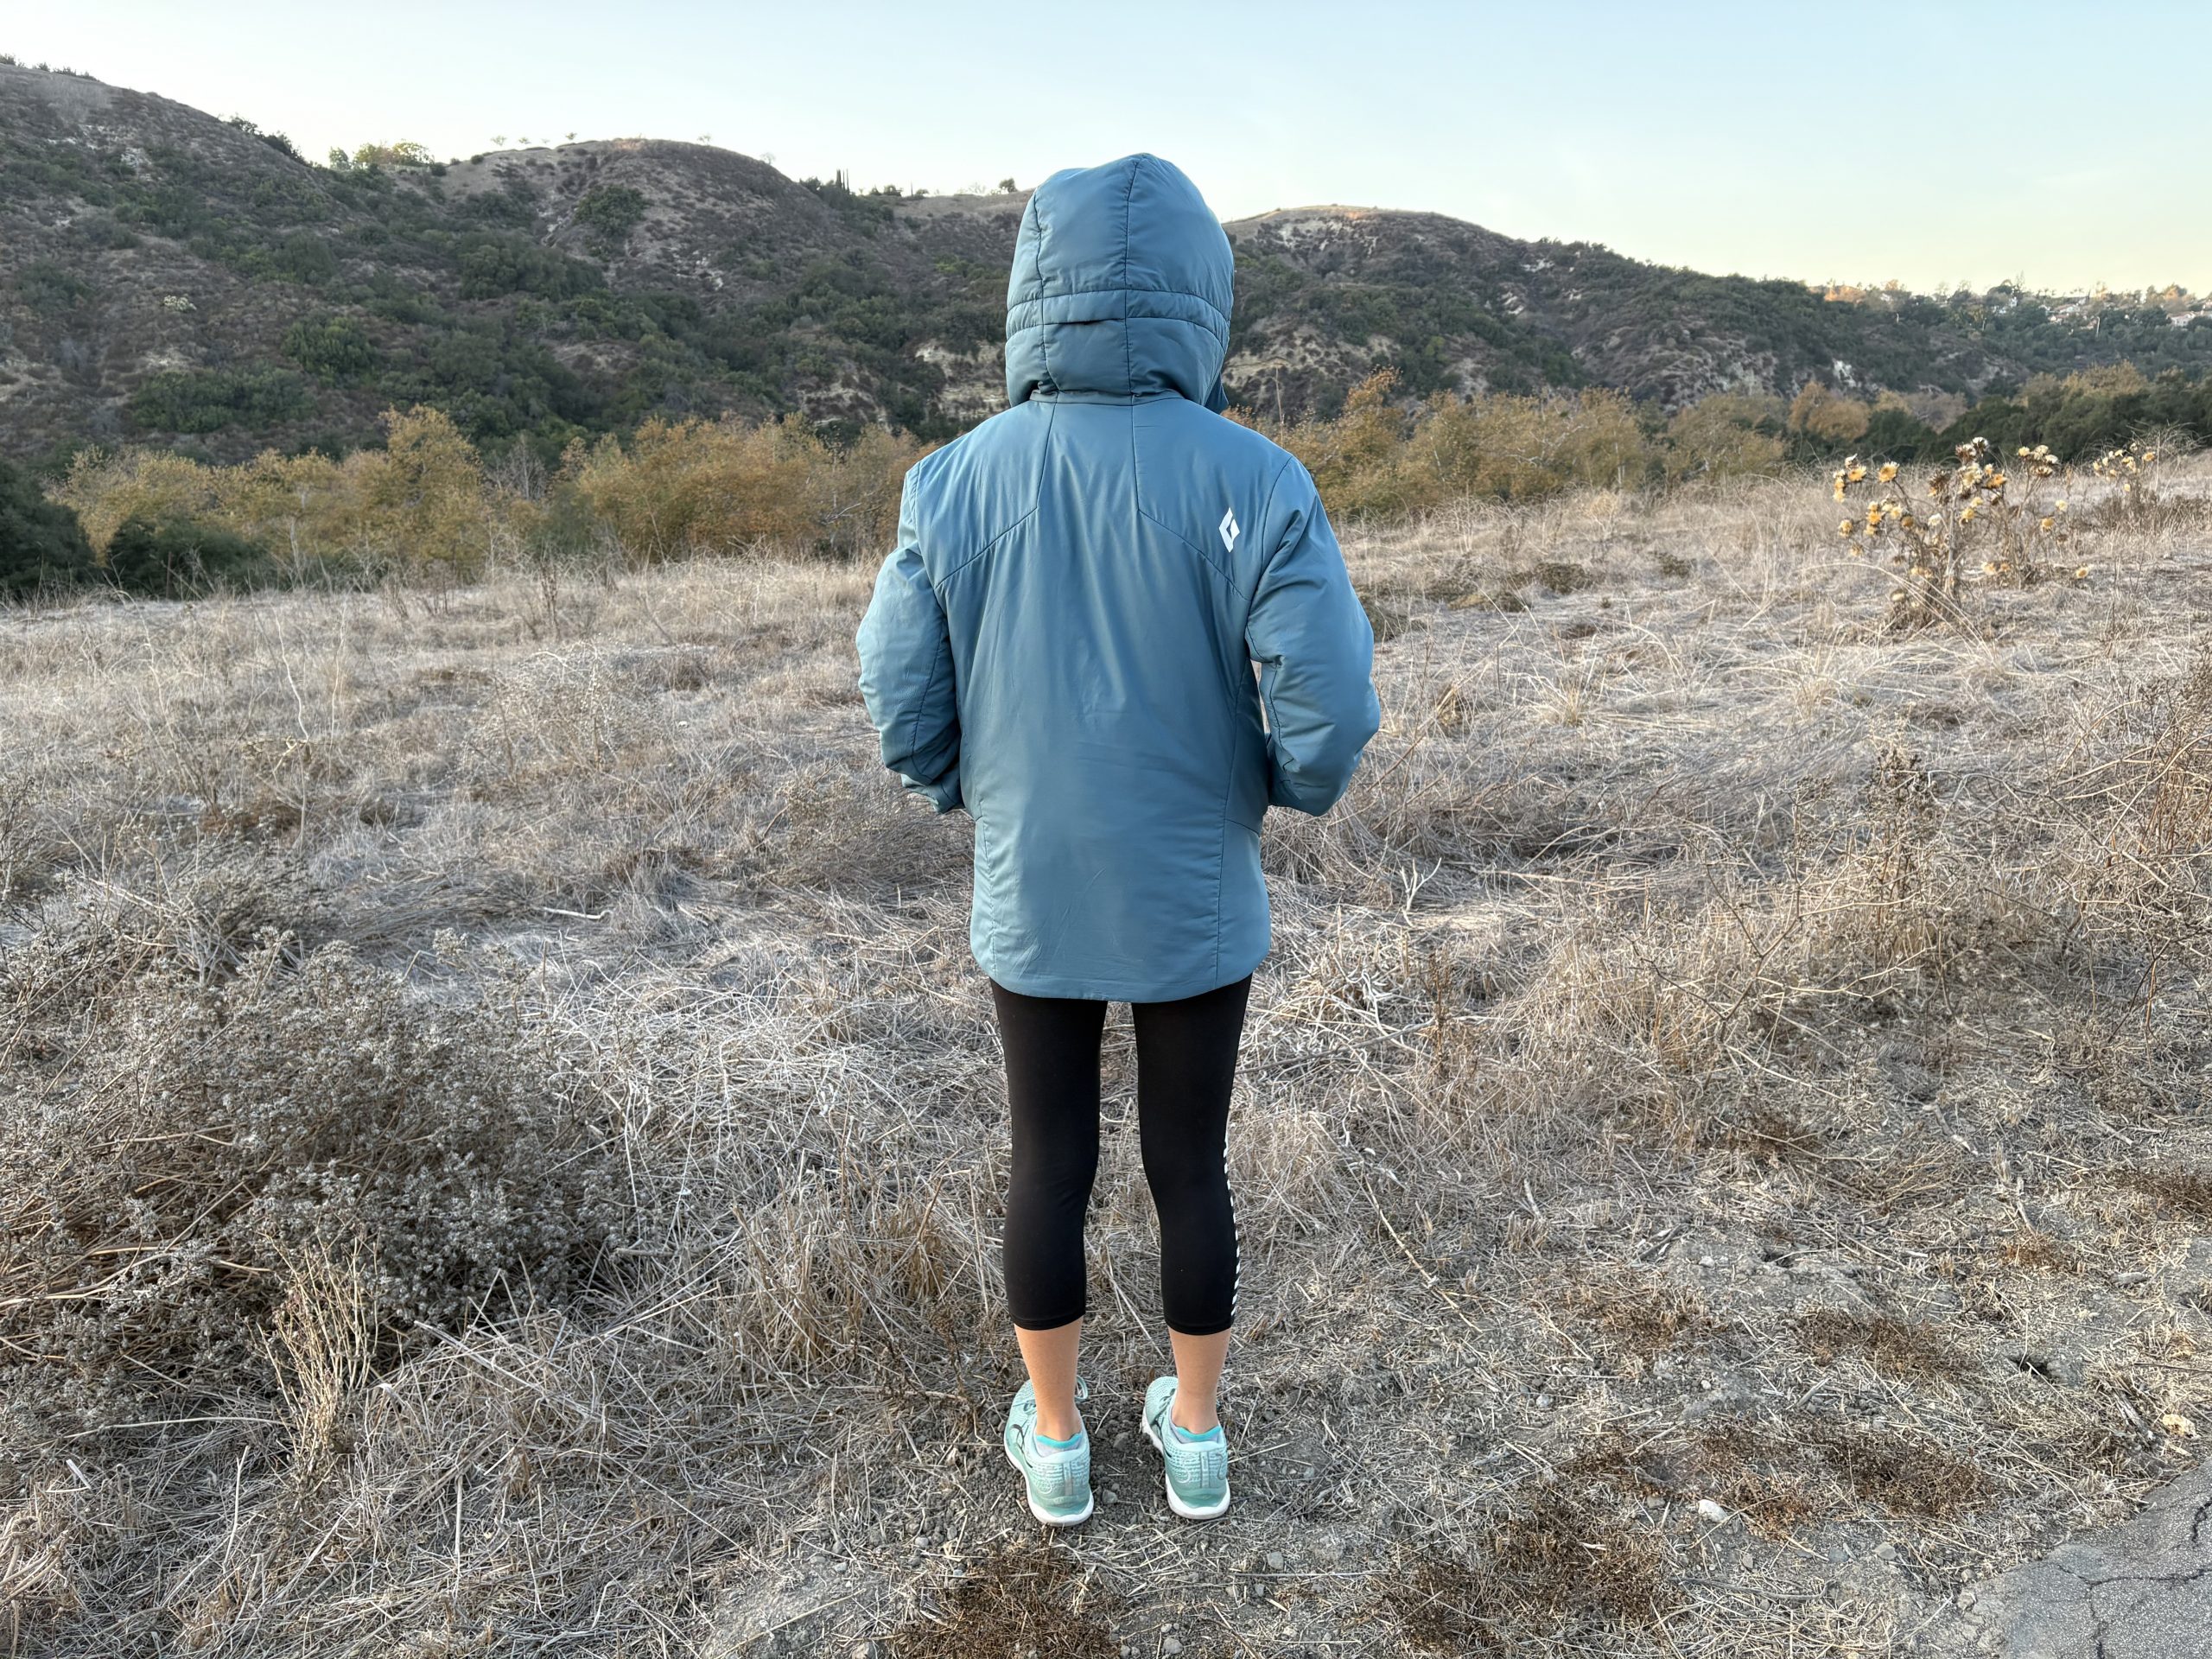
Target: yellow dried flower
{"x":2048,"y":521}
{"x":1889,"y":471}
{"x":1966,"y":517}
{"x":1846,"y":527}
{"x":1857,"y":473}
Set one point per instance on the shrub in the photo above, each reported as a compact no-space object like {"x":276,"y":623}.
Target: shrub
{"x":304,"y":257}
{"x":686,"y":487}
{"x":181,"y":559}
{"x":492,"y":265}
{"x":42,"y":545}
{"x":202,"y":1103}
{"x":418,"y":503}
{"x":210,"y":400}
{"x":47,"y":287}
{"x":1726,"y":435}
{"x":1380,"y":459}
{"x":106,"y":486}
{"x":102,"y":231}
{"x":335,"y":350}
{"x":1981,"y":521}
{"x":608,"y":213}
{"x":1829,"y":420}
{"x":404,"y":152}
{"x":1895,"y":431}
{"x":2134,"y":471}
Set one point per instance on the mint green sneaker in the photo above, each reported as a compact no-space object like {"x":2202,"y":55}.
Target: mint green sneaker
{"x":1057,"y":1473}
{"x":1197,"y":1465}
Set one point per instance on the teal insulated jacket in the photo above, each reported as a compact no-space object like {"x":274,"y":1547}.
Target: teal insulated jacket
{"x":1062,"y":643}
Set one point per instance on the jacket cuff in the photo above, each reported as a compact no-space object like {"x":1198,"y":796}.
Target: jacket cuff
{"x":943,"y":794}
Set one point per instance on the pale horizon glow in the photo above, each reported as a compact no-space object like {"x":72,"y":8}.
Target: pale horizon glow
{"x":1941,"y":144}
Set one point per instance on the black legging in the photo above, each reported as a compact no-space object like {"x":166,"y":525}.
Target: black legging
{"x":1186,"y":1060}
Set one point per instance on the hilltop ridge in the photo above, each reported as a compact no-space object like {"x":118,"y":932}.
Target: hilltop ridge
{"x":172,"y":277}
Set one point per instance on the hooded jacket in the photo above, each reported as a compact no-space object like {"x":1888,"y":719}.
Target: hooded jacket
{"x":1062,"y":642}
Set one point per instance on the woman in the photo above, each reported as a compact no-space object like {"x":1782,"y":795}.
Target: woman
{"x":1061,"y":645}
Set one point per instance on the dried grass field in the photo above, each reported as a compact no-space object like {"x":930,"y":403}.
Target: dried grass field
{"x":502,"y":1136}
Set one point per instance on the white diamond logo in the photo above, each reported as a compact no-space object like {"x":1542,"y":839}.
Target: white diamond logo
{"x":1230,"y":530}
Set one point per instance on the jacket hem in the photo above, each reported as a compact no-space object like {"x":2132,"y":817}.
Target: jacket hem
{"x":1091,"y":988}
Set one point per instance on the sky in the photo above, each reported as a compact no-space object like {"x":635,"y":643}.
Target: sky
{"x":1935,"y":143}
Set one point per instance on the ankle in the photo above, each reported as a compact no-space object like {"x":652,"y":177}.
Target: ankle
{"x":1059,"y":1428}
{"x":1190,"y":1418}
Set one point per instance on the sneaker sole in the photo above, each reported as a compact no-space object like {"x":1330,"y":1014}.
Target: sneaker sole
{"x":1188,"y":1511}
{"x":1045,"y":1514}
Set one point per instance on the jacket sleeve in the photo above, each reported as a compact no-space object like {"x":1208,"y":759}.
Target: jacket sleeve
{"x":906,"y":673}
{"x":1309,"y":633}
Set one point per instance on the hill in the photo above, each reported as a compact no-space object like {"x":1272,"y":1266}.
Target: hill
{"x":172,"y":277}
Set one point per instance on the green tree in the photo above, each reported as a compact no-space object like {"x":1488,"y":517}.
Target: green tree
{"x":335,"y":350}
{"x":608,"y":213}
{"x":42,"y":544}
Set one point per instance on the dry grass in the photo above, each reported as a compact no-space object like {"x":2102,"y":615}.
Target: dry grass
{"x":503,"y":1138}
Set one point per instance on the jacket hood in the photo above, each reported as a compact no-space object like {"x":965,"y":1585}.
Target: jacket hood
{"x":1121,"y":284}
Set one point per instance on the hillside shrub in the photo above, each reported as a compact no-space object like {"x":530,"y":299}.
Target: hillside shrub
{"x":335,"y":350}
{"x":415,"y":507}
{"x":689,"y":487}
{"x":608,"y":213}
{"x":1895,"y":431}
{"x":47,"y":287}
{"x":419,"y":503}
{"x":178,"y":558}
{"x":42,"y":545}
{"x":104,"y":487}
{"x":2081,"y":415}
{"x":1728,"y":435}
{"x":304,"y":257}
{"x":492,"y":265}
{"x":211,"y":400}
{"x":1378,"y":458}
{"x":1828,"y":417}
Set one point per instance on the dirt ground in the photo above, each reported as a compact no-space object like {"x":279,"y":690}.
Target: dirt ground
{"x":505,"y":1141}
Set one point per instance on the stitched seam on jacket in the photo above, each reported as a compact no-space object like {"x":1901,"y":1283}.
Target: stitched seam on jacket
{"x":1044,"y":285}
{"x":1267,"y":700}
{"x":1274,"y":483}
{"x":1129,"y":356}
{"x":945,"y":580}
{"x":1112,"y":288}
{"x":1221,"y":847}
{"x":1036,"y":496}
{"x":1203,"y":556}
{"x":943,"y":656}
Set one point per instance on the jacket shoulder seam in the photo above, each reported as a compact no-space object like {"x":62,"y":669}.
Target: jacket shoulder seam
{"x":945,"y":580}
{"x":1036,"y":494}
{"x":1204,"y":557}
{"x":1274,"y":484}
